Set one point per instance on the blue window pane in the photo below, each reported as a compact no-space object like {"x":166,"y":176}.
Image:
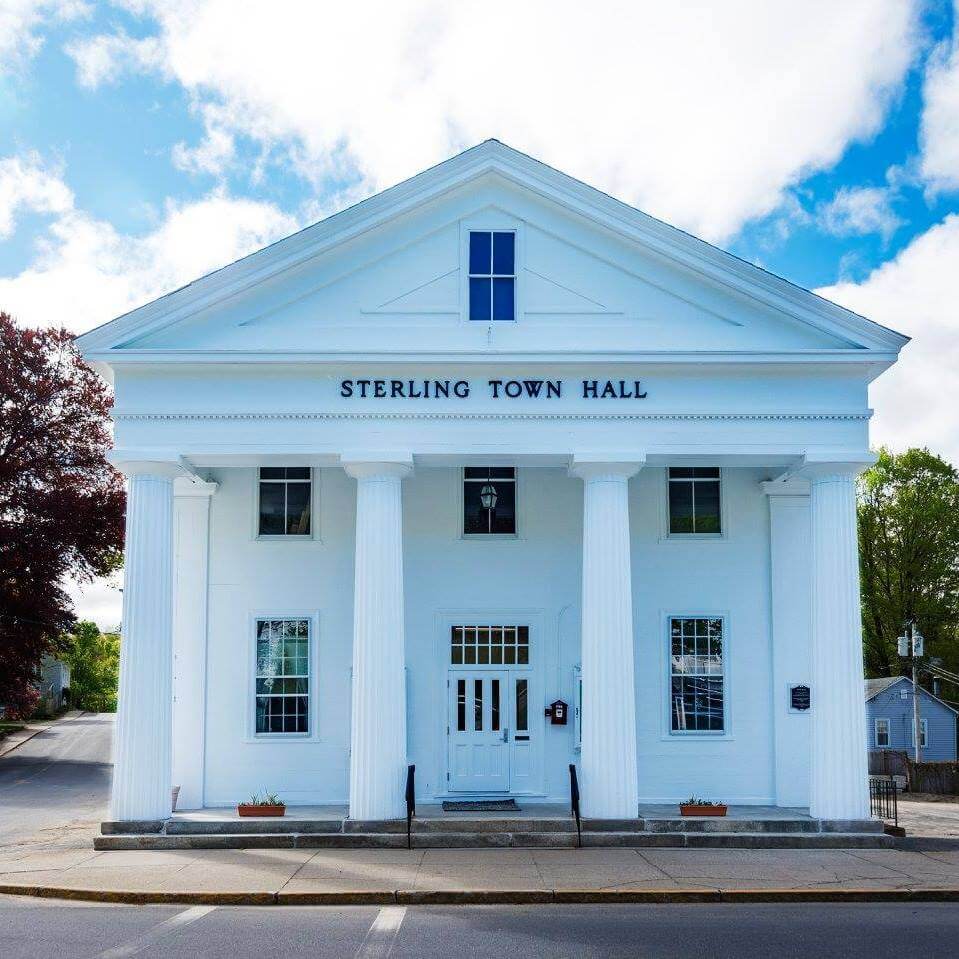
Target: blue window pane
{"x":504,"y":256}
{"x":480,"y":300}
{"x":480,"y":252}
{"x":503,"y":299}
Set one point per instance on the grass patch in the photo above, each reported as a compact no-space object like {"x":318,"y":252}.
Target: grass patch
{"x":7,"y":728}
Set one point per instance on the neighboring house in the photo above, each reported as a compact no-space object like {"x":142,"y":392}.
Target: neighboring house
{"x":54,"y":681}
{"x":889,"y":719}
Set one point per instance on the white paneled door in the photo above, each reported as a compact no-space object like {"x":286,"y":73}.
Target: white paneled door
{"x":480,"y":734}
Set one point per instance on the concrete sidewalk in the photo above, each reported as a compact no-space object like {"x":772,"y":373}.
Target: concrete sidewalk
{"x":287,"y":876}
{"x":30,"y":729}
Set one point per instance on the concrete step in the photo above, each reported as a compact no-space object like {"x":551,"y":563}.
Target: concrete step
{"x":475,"y":840}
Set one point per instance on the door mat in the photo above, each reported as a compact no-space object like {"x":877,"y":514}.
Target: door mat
{"x":480,"y":805}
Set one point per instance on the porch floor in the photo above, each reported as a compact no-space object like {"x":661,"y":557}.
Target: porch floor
{"x":526,"y":810}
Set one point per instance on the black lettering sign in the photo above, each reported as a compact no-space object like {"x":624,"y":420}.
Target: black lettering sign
{"x":498,"y":389}
{"x":799,"y":697}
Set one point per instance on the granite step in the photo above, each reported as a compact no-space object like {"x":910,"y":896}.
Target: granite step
{"x":475,"y":840}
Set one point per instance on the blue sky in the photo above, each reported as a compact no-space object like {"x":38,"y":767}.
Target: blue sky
{"x":146,"y":142}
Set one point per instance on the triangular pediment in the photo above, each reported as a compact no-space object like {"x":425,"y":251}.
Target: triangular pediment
{"x":390,"y":275}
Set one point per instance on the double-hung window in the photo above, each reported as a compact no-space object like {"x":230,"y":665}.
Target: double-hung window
{"x":882,"y":733}
{"x":283,"y":676}
{"x":923,"y":732}
{"x":489,"y":501}
{"x":694,"y":500}
{"x":492,"y":275}
{"x":285,"y":499}
{"x":696,"y":677}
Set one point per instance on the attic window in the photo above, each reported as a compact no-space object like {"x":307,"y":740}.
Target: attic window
{"x":492,"y":276}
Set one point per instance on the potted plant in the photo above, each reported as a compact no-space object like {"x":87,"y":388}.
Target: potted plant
{"x":701,"y":807}
{"x":266,"y":805}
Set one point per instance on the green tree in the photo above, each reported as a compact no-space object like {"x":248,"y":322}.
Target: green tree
{"x":94,"y":660}
{"x":909,"y":556}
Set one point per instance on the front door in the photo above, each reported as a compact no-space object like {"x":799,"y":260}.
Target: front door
{"x":479,"y":730}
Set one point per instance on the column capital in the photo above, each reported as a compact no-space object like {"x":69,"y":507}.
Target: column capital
{"x":608,"y":466}
{"x":377,"y":464}
{"x":139,"y":462}
{"x":819,"y":466}
{"x":190,"y":486}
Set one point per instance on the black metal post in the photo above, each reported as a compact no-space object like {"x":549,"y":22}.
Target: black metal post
{"x":574,"y":803}
{"x":410,"y":804}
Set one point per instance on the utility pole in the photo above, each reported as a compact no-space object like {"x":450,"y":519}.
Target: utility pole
{"x":911,"y":645}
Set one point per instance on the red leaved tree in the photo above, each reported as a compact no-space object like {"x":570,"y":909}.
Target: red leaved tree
{"x":61,"y":503}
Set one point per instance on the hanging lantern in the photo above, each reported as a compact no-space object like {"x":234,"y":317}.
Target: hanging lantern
{"x":488,"y":496}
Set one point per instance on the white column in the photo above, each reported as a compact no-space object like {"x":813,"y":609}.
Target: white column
{"x":839,"y":780}
{"x":142,"y":756}
{"x":378,"y":730}
{"x":790,"y":593}
{"x":191,"y":540}
{"x":610,"y":787}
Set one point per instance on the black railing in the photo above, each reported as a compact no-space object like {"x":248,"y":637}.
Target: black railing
{"x":410,"y":804}
{"x":574,"y":802}
{"x":883,"y":800}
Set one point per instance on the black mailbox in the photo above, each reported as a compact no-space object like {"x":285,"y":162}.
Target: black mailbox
{"x":557,"y":712}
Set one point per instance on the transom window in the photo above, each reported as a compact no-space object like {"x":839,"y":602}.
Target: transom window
{"x":696,"y":675}
{"x":489,"y":645}
{"x":285,"y":494}
{"x":492,"y":276}
{"x":489,"y":500}
{"x":282,"y":676}
{"x":882,"y":732}
{"x":694,"y":500}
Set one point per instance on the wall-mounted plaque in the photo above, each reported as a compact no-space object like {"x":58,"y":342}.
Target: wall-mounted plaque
{"x":799,"y":698}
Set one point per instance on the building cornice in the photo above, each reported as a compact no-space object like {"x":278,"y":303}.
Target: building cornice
{"x":125,"y":416}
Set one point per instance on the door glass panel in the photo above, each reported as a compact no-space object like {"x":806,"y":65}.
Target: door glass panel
{"x":461,"y":705}
{"x":522,"y":705}
{"x":478,"y":704}
{"x":494,"y":704}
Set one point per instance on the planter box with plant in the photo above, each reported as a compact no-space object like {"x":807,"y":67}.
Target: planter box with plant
{"x":701,"y":807}
{"x":266,"y":805}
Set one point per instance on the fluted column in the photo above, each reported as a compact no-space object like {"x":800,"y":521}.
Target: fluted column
{"x":839,"y":780}
{"x":610,"y":787}
{"x":378,"y":729}
{"x":142,"y":754}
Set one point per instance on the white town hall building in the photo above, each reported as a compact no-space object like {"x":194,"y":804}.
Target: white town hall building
{"x":491,"y":474}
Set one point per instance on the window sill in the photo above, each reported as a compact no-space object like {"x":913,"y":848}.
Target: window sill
{"x":697,"y":737}
{"x":282,"y":738}
{"x":490,"y":538}
{"x":287,"y":538}
{"x":693,"y":538}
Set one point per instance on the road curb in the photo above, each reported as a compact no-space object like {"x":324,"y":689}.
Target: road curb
{"x":35,"y":729}
{"x":476,"y":897}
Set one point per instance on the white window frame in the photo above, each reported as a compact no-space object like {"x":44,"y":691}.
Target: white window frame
{"x":518,"y":493}
{"x":492,"y":222}
{"x":312,"y":734}
{"x":923,"y":733}
{"x":875,"y":733}
{"x":683,"y":734}
{"x":314,"y":480}
{"x":667,"y":535}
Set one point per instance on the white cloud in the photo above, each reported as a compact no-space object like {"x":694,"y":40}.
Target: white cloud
{"x":105,"y":57}
{"x":101,"y":601}
{"x":939,"y":132}
{"x":86,"y":272}
{"x":26,"y":184}
{"x":917,"y":293}
{"x":702,"y":113}
{"x":856,"y":211}
{"x":21,"y":22}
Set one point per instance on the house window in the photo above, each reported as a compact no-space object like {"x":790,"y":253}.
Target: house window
{"x":489,"y":500}
{"x":285,"y":494}
{"x":696,"y":675}
{"x":282,"y":676}
{"x":882,"y":733}
{"x":492,"y":276}
{"x":489,"y":646}
{"x":923,"y":733}
{"x":694,"y":506}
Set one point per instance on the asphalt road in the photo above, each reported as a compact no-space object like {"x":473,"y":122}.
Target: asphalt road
{"x":38,"y":929}
{"x":59,"y":778}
